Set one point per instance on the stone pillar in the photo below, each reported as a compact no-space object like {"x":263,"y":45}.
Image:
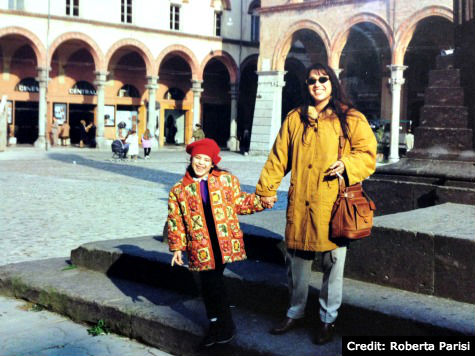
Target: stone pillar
{"x":197,"y":90}
{"x":3,"y":123}
{"x":42,"y":79}
{"x":152,"y":102}
{"x":100,"y":82}
{"x":233,"y":142}
{"x":396,"y":81}
{"x":267,"y":111}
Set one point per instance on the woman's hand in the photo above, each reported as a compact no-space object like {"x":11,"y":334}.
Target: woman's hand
{"x":177,"y":258}
{"x":336,"y":168}
{"x":268,"y":202}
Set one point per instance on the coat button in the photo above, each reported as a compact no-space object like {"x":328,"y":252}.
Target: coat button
{"x":315,"y":129}
{"x":310,"y":166}
{"x":307,"y":203}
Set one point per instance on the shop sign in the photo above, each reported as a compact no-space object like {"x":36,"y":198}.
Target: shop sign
{"x":83,"y":88}
{"x":28,"y":85}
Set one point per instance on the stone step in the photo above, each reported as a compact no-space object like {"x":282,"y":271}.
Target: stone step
{"x":444,"y":116}
{"x":175,"y":322}
{"x":423,"y":248}
{"x":444,"y":78}
{"x":440,"y":140}
{"x":444,"y":96}
{"x":165,"y":319}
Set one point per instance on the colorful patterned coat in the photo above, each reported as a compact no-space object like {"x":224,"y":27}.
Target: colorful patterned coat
{"x":187,"y":230}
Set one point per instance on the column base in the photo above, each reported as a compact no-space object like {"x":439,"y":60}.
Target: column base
{"x":41,"y":142}
{"x":12,"y":141}
{"x":233,"y":144}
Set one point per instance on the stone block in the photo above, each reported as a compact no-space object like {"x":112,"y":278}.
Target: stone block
{"x":454,"y":268}
{"x":444,"y":78}
{"x":444,"y":116}
{"x":443,"y":139}
{"x":394,"y":257}
{"x":390,"y":195}
{"x":444,"y":96}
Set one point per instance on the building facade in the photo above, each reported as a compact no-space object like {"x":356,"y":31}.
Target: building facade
{"x":382,"y":51}
{"x":163,"y":65}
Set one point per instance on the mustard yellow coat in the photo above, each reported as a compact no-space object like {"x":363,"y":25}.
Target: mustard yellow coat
{"x":310,"y":197}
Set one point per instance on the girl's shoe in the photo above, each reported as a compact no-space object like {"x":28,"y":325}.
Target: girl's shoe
{"x":211,"y":336}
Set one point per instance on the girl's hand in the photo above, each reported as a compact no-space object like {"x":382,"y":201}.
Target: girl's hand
{"x":268,"y":202}
{"x":336,"y":168}
{"x":177,"y":258}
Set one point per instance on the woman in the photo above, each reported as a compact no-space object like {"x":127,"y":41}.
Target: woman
{"x":202,"y":220}
{"x":307,"y":145}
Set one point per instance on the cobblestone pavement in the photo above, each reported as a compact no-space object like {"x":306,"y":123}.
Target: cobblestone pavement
{"x":54,"y":201}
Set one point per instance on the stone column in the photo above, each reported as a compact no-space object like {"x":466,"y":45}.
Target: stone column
{"x":233,"y":142}
{"x":267,"y":111}
{"x":152,"y":86}
{"x":42,"y":79}
{"x":197,"y":90}
{"x":100,"y":82}
{"x":396,"y":81}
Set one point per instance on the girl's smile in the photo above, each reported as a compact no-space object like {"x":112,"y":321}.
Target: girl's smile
{"x":201,"y":165}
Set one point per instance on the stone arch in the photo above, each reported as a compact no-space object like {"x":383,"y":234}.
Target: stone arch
{"x":339,"y":40}
{"x":34,"y":41}
{"x":141,"y":48}
{"x":183,"y":52}
{"x":283,"y":46}
{"x":249,"y":59}
{"x":226,"y":59}
{"x":91,"y":45}
{"x":406,"y":29}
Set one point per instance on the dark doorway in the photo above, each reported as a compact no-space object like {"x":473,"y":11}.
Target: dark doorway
{"x":78,"y":112}
{"x":216,"y":122}
{"x":26,"y":122}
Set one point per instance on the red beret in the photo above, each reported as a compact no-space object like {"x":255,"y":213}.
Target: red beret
{"x":205,"y":146}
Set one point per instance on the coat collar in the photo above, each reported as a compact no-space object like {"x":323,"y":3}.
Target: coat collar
{"x":188,"y":179}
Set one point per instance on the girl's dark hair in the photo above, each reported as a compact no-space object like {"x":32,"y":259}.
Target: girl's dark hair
{"x":338,"y":101}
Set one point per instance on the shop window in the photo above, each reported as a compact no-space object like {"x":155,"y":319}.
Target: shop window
{"x":217,"y":23}
{"x":72,"y":7}
{"x":174,"y":94}
{"x":174,"y":17}
{"x":126,"y":11}
{"x":16,"y":4}
{"x":128,"y":91}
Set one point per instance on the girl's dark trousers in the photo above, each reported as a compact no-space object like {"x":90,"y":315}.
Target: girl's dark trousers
{"x":212,"y":282}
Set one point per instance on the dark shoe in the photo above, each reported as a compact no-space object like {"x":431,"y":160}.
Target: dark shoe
{"x":226,"y":334}
{"x":325,"y":333}
{"x":284,"y":326}
{"x":211,"y":336}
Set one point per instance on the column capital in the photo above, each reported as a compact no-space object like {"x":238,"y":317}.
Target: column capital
{"x":397,"y":78}
{"x":274,"y":78}
{"x":196,"y":86}
{"x":338,"y":71}
{"x":101,"y":78}
{"x":152,"y":82}
{"x":43,"y":74}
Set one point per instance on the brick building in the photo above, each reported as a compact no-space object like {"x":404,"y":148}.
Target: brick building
{"x":161,"y":64}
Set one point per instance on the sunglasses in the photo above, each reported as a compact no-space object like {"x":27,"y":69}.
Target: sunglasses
{"x":321,"y":80}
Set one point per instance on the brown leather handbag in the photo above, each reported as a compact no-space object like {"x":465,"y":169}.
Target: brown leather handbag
{"x":352,"y":213}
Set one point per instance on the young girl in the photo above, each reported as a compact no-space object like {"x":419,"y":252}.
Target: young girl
{"x":146,"y":144}
{"x":202,"y":220}
{"x":133,"y":141}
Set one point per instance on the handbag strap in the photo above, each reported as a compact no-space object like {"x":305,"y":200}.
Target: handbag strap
{"x":341,"y":181}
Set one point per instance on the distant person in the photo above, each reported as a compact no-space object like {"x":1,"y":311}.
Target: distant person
{"x":133,"y":141}
{"x":147,"y":144}
{"x":83,"y":133}
{"x":91,"y":134}
{"x":64,"y":134}
{"x":54,"y":132}
{"x":198,"y":133}
{"x":208,"y":230}
{"x":409,"y":140}
{"x":171,"y":129}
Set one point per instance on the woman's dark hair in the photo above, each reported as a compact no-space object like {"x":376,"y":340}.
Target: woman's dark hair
{"x":338,"y":101}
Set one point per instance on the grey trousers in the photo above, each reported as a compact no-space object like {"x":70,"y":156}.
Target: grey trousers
{"x":298,"y":272}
